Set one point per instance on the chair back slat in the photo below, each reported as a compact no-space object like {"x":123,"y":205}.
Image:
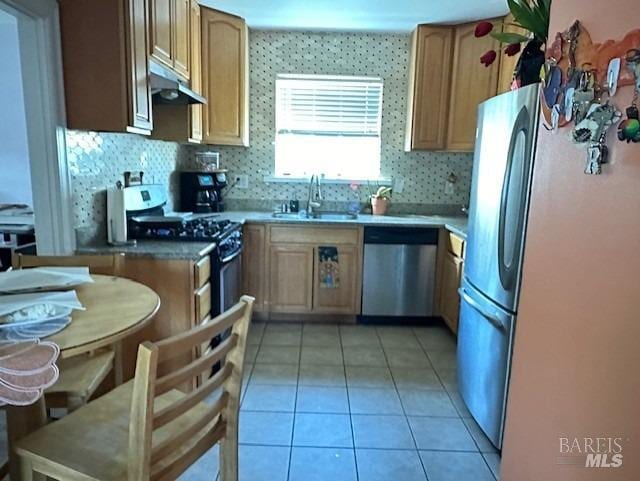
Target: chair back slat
{"x":171,"y":471}
{"x":98,"y":264}
{"x":188,"y":372}
{"x":187,"y":341}
{"x":183,"y":426}
{"x":170,"y":445}
{"x":140,"y":422}
{"x":172,"y":411}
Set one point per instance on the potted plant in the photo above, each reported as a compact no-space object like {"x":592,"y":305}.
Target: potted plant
{"x":532,"y":18}
{"x":380,"y":201}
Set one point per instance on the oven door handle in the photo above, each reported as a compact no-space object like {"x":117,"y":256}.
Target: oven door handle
{"x":232,"y":256}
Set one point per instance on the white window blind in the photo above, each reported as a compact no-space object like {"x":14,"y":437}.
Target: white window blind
{"x":328,"y":125}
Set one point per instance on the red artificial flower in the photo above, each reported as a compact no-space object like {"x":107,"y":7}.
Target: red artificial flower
{"x":483,"y":29}
{"x":488,"y":58}
{"x":512,"y":49}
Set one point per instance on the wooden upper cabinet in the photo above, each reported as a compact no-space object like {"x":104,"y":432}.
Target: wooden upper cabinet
{"x":508,"y":64}
{"x":140,"y":101}
{"x":170,"y":38}
{"x":225,"y":82}
{"x":196,"y":70}
{"x":182,"y":38}
{"x":471,"y":84}
{"x":104,"y":55}
{"x":161,"y":39}
{"x":429,"y":84}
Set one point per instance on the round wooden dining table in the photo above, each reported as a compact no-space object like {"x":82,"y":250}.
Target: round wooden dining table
{"x":115,"y":308}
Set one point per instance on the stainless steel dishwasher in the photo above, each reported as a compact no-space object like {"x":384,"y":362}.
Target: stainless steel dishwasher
{"x":399,"y":271}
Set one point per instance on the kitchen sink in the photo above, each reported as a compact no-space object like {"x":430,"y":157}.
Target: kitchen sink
{"x":288,"y":215}
{"x":334,"y":215}
{"x":326,"y":215}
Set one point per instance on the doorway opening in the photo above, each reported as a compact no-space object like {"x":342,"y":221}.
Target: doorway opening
{"x":35,"y":171}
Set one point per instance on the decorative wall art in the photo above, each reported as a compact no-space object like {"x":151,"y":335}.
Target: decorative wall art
{"x":580,"y":79}
{"x":329,"y":270}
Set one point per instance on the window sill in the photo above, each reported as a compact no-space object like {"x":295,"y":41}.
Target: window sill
{"x":325,"y":180}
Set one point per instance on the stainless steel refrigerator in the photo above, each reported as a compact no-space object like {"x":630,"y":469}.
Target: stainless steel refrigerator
{"x":502,"y":166}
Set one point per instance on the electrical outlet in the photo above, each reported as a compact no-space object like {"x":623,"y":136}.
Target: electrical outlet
{"x":398,"y":185}
{"x":242,"y":181}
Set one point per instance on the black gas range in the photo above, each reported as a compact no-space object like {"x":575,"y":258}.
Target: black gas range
{"x":226,"y":266}
{"x":198,"y":228}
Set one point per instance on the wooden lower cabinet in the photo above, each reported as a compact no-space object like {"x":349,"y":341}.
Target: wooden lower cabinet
{"x":282,"y":270}
{"x":185,"y":301}
{"x":450,"y":267}
{"x":291,"y":278}
{"x":254,"y":279}
{"x":345,"y":297}
{"x":449,"y":298}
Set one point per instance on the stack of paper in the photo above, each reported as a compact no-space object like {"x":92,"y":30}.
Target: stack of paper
{"x":43,"y":278}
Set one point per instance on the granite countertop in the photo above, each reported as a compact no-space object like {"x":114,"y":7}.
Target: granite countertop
{"x":457,"y":225}
{"x":167,"y":249}
{"x":157,"y":249}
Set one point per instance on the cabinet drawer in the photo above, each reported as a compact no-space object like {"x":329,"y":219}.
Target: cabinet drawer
{"x":203,"y":302}
{"x":313,"y":235}
{"x":454,"y":244}
{"x":202,"y":272}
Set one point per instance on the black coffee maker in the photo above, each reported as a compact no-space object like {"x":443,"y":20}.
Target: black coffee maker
{"x":201,"y":192}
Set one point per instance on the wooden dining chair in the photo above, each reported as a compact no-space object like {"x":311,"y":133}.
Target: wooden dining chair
{"x":147,"y":429}
{"x":82,"y":375}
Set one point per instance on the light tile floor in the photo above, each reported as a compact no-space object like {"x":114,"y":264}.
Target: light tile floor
{"x":354,"y":403}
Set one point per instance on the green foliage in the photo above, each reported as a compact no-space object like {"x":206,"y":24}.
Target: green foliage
{"x":532,"y":15}
{"x":383,"y":193}
{"x":509,"y":37}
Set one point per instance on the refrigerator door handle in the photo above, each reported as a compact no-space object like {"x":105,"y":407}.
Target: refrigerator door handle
{"x":506,"y":272}
{"x":494,"y":316}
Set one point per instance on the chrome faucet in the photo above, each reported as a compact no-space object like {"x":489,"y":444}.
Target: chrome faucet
{"x":314,"y":201}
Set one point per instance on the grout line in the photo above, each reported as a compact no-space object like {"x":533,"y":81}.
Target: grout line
{"x":346,"y":382}
{"x":406,"y":418}
{"x":362,"y":447}
{"x":295,"y":404}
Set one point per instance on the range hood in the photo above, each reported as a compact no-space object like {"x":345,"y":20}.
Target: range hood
{"x":168,"y":88}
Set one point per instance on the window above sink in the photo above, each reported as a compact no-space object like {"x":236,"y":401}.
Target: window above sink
{"x":329,"y":125}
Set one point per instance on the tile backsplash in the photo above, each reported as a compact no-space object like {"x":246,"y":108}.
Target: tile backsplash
{"x":363,"y":54}
{"x":97,"y":161}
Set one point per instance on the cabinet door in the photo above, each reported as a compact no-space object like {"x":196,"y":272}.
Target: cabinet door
{"x":140,"y":116}
{"x":290,"y":278}
{"x":182,"y":37}
{"x":472,"y":83}
{"x":508,"y":64}
{"x":450,"y":282}
{"x":254,"y":264}
{"x":196,"y":71}
{"x":225,"y":78}
{"x":429,"y":85}
{"x":344,"y":298}
{"x":161,"y":31}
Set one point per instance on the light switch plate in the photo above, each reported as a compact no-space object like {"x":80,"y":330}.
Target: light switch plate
{"x":398,"y":185}
{"x":242,"y":181}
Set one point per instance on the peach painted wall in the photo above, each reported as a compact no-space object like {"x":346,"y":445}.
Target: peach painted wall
{"x":576,"y":363}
